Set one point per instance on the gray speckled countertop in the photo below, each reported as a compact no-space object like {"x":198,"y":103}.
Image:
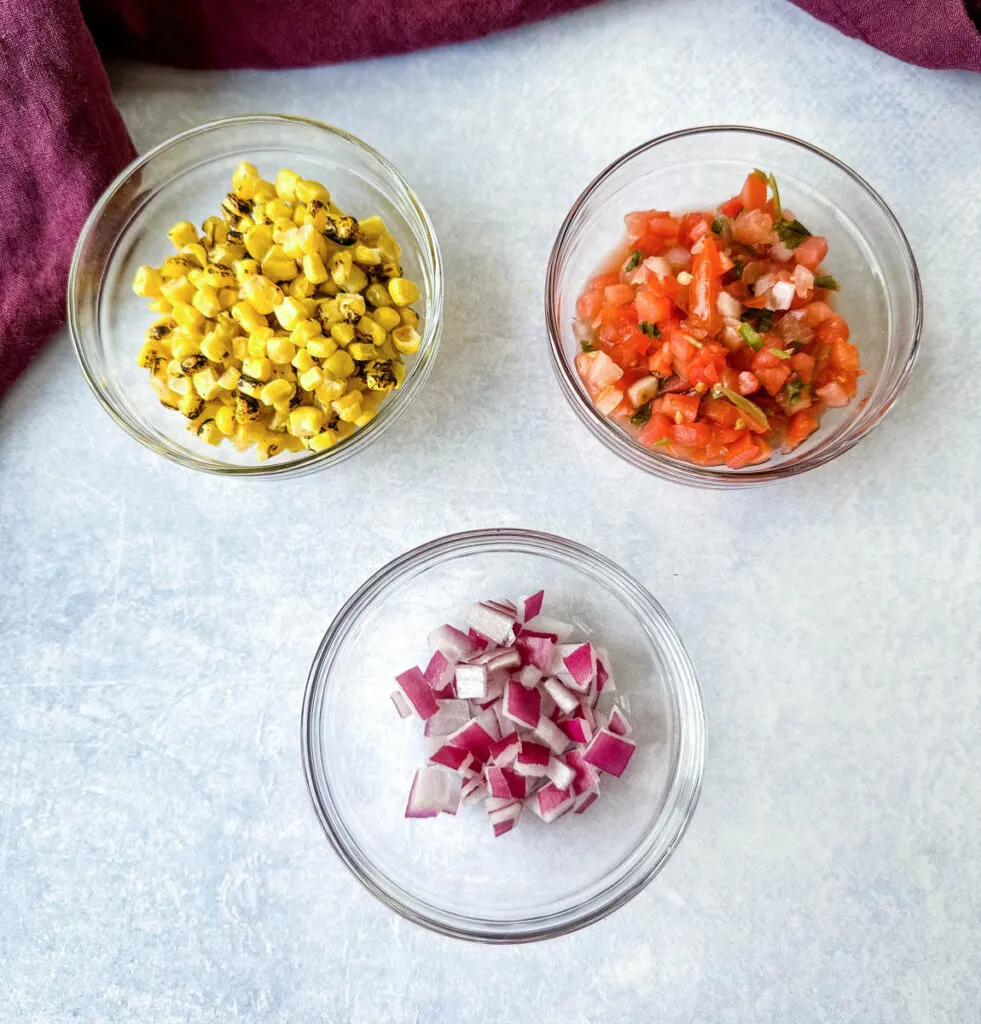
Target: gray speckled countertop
{"x":159,"y":860}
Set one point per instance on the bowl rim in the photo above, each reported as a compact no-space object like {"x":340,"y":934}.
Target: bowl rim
{"x":681,"y":793}
{"x":418,"y":372}
{"x":675,"y":470}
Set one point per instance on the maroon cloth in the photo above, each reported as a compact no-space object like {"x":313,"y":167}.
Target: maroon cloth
{"x":62,"y":140}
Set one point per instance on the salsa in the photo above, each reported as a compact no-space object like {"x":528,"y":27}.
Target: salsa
{"x":710,"y":336}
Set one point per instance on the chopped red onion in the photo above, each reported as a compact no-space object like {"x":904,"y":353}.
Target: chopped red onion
{"x":529,"y":676}
{"x":439,"y":672}
{"x":550,"y":802}
{"x":504,"y":751}
{"x":448,"y":755}
{"x":480,"y":643}
{"x":450,"y":716}
{"x":551,"y":735}
{"x":586,"y":776}
{"x":529,"y":607}
{"x":473,"y":791}
{"x":418,"y":693}
{"x":577,"y":729}
{"x":580,"y":663}
{"x":536,"y":649}
{"x":471,"y":681}
{"x":564,"y":698}
{"x":495,"y":624}
{"x":454,"y":644}
{"x":521,"y":705}
{"x":586,"y":799}
{"x":618,"y":722}
{"x":402,"y":706}
{"x":432,"y":792}
{"x":560,"y":773}
{"x":609,"y":752}
{"x":543,"y":624}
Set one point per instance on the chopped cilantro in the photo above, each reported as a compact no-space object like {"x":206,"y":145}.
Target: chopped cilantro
{"x":794,"y":388}
{"x":750,"y":336}
{"x":825,"y":281}
{"x":587,"y":346}
{"x":737,"y":269}
{"x":651,"y":330}
{"x":642,"y":415}
{"x":772,"y":182}
{"x":720,"y":225}
{"x":634,"y":262}
{"x":761,"y":319}
{"x":791,"y":232}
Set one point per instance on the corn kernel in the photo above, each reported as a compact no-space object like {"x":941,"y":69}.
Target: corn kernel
{"x":290,"y":312}
{"x":247,"y":409}
{"x":258,"y":369}
{"x":304,"y":331}
{"x":188,"y":316}
{"x":227,"y":297}
{"x":348,"y":407}
{"x":341,"y":265}
{"x":280,"y":350}
{"x":380,"y":375}
{"x":351,"y":307}
{"x":263,"y":294}
{"x":377,"y":294}
{"x":344,"y":430}
{"x":277,"y":266}
{"x":267,"y":448}
{"x":316,"y":214}
{"x":191,"y":404}
{"x":322,"y":441}
{"x":310,"y":305}
{"x":305,"y":421}
{"x":328,"y":289}
{"x":390,"y":248}
{"x":371,"y":227}
{"x":308,"y":190}
{"x":403,"y":291}
{"x":387,"y":318}
{"x":195,"y":253}
{"x":214,"y":347}
{"x":259,"y":342}
{"x":246,"y":268}
{"x":362,"y":351}
{"x":356,"y":281}
{"x":182,"y":233}
{"x":366,"y":255}
{"x":399,"y":368}
{"x":406,"y":339}
{"x":343,"y":334}
{"x":245,"y":180}
{"x":147,"y":282}
{"x":409,"y":317}
{"x":258,"y":241}
{"x":220,"y":276}
{"x":240,"y":348}
{"x":198,"y":277}
{"x":313,"y":268}
{"x":286,"y":182}
{"x":247,"y":315}
{"x":365,"y":417}
{"x":264,"y":191}
{"x":311,"y":379}
{"x":302,"y":360}
{"x":206,"y":383}
{"x":225,"y":420}
{"x":340,"y":364}
{"x":177,"y":290}
{"x":277,"y":391}
{"x":321,"y":348}
{"x":228,"y":381}
{"x":300,"y":287}
{"x":206,"y":301}
{"x":214,"y":230}
{"x":249,"y":386}
{"x":159,"y":306}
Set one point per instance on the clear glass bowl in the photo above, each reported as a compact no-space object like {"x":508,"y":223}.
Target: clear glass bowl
{"x":450,"y":873}
{"x":698,"y":168}
{"x":185,"y":178}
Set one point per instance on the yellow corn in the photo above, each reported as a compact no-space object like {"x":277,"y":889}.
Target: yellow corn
{"x":286,"y":182}
{"x":302,"y":360}
{"x":245,"y":180}
{"x":322,"y":441}
{"x":316,"y":214}
{"x":328,"y":391}
{"x":386,"y":317}
{"x":362,"y":351}
{"x":220,"y":276}
{"x":403,"y":291}
{"x":304,"y":331}
{"x":159,"y":306}
{"x":356,"y":281}
{"x":228,"y":381}
{"x":343,"y":334}
{"x":348,"y":407}
{"x":226,"y":253}
{"x":259,"y":342}
{"x":264,"y":191}
{"x":182,"y":233}
{"x":246,"y":268}
{"x":195,"y":253}
{"x":308,"y":190}
{"x":300,"y":287}
{"x":390,"y":248}
{"x":206,"y":301}
{"x":277,"y":391}
{"x":341,"y":264}
{"x":247,"y":408}
{"x":147,"y":282}
{"x":258,"y":369}
{"x":191,"y":404}
{"x":280,"y":350}
{"x":311,"y":379}
{"x":249,"y":386}
{"x":214,"y":347}
{"x":328,"y":289}
{"x":351,"y":307}
{"x":290,"y":312}
{"x":214,"y":230}
{"x":206,"y":383}
{"x":277,"y":266}
{"x":367,"y":256}
{"x":247,"y":315}
{"x":371,"y":227}
{"x":240,"y":348}
{"x":225,"y":420}
{"x":406,"y":339}
{"x":370,"y":329}
{"x":227,"y":297}
{"x":399,"y":367}
{"x":380,"y":375}
{"x":177,"y":290}
{"x":340,"y":364}
{"x":268,"y":447}
{"x":258,"y":241}
{"x":305,"y":421}
{"x":313,"y":269}
{"x":377,"y":294}
{"x":263,"y":294}
{"x":409,"y":317}
{"x":187,"y":316}
{"x":174,"y":267}
{"x":321,"y":348}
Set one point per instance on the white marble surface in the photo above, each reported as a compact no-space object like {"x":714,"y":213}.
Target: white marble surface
{"x":159,"y":860}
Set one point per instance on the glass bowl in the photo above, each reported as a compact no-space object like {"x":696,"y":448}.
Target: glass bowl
{"x":868,"y":253}
{"x":450,"y":873}
{"x":185,"y":178}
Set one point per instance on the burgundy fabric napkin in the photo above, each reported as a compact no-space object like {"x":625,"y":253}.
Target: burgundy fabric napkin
{"x":62,"y":140}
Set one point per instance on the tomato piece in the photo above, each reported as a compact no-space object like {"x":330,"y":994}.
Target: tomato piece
{"x":651,"y":307}
{"x":705,"y":288}
{"x":833,"y":394}
{"x":845,"y":355}
{"x":804,"y":365}
{"x":802,"y":425}
{"x":764,"y":360}
{"x":765,"y":451}
{"x":816,"y":313}
{"x":753,"y":194}
{"x":655,"y":429}
{"x":589,"y":305}
{"x":731,"y":206}
{"x":834,"y":327}
{"x":726,"y":435}
{"x":685,"y":406}
{"x":691,"y":435}
{"x":601,"y":281}
{"x":719,"y":411}
{"x":660,"y":362}
{"x":664,"y":226}
{"x":742,"y":452}
{"x":637,"y":224}
{"x":747,"y":383}
{"x":690,"y":224}
{"x":618,"y":294}
{"x":811,"y":251}
{"x":774,"y":379}
{"x":752,"y":226}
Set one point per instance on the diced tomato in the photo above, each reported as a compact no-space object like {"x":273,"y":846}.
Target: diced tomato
{"x":811,"y":251}
{"x":765,"y":450}
{"x":664,"y":226}
{"x":597,"y":370}
{"x":589,"y":305}
{"x":655,"y":429}
{"x":693,"y":226}
{"x":802,"y":424}
{"x":692,"y":435}
{"x":752,"y":226}
{"x":748,"y":383}
{"x":705,"y":288}
{"x":601,"y":281}
{"x":832,"y":328}
{"x":804,"y":365}
{"x":685,"y":406}
{"x":753,"y":195}
{"x":637,"y":224}
{"x":816,"y":313}
{"x":651,"y":307}
{"x":660,"y":362}
{"x":844,"y":355}
{"x":833,"y":394}
{"x":726,"y":435}
{"x":743,"y":452}
{"x":731,"y":206}
{"x":719,"y":411}
{"x":774,"y":379}
{"x":618,"y":294}
{"x":764,"y":360}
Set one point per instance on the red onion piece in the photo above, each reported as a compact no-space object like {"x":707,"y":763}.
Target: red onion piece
{"x":609,"y":752}
{"x":504,"y":751}
{"x":402,"y":706}
{"x":432,"y":792}
{"x":471,"y":681}
{"x":560,"y":773}
{"x":521,"y":705}
{"x":550,"y":802}
{"x":418,"y":692}
{"x":618,"y":722}
{"x":551,"y":735}
{"x":564,"y":699}
{"x":493,"y":623}
{"x":453,"y":644}
{"x":529,"y":607}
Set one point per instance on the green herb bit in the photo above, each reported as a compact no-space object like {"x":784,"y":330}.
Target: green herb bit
{"x":772,"y":182}
{"x":642,"y":415}
{"x":791,"y":232}
{"x":720,"y":225}
{"x":651,"y":330}
{"x":750,"y":336}
{"x":781,"y":353}
{"x":825,"y":281}
{"x":794,"y":388}
{"x":587,"y":346}
{"x":634,"y":262}
{"x":744,"y":405}
{"x":737,"y":269}
{"x":761,"y":319}
{"x":660,"y":442}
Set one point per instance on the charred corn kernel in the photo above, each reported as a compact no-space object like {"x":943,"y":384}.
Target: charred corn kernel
{"x":301,"y":288}
{"x":159,"y":306}
{"x":151,"y":353}
{"x":348,"y":407}
{"x":377,"y":294}
{"x":240,"y":348}
{"x":196,"y":253}
{"x":234,"y":207}
{"x":220,"y":276}
{"x":227,"y":297}
{"x":268,"y":447}
{"x":249,"y":386}
{"x":188,"y":316}
{"x":380,"y":375}
{"x":340,"y":364}
{"x":214,"y":230}
{"x":399,"y":367}
{"x":406,"y":339}
{"x":409,"y":317}
{"x":351,"y":307}
{"x":327,"y":314}
{"x":362,"y":351}
{"x":258,"y":241}
{"x":264,"y":295}
{"x":245,"y":180}
{"x":369,"y":328}
{"x":191,"y":365}
{"x":386,"y":317}
{"x":341,"y":229}
{"x":147,"y":282}
{"x":246,"y":268}
{"x":168,"y":398}
{"x":304,"y":331}
{"x":307,"y":190}
{"x":259,"y":342}
{"x":403,"y":291}
{"x":206,"y":301}
{"x":388,"y":270}
{"x":343,"y":334}
{"x":281,"y":416}
{"x":182,"y":233}
{"x":329,"y":391}
{"x":302,"y":361}
{"x":313,"y":268}
{"x":305,"y":421}
{"x":321,"y":348}
{"x":341,"y":264}
{"x":174,"y":267}
{"x":371,"y":228}
{"x":367,"y":255}
{"x":280,"y":350}
{"x":311,"y":379}
{"x":206,"y":383}
{"x":258,"y":369}
{"x":356,"y":281}
{"x":316,"y":214}
{"x":247,"y":408}
{"x":228,"y":381}
{"x":277,"y":266}
{"x":290,"y":312}
{"x":226,"y":253}
{"x":191,"y":404}
{"x":208,"y":431}
{"x":309,"y":304}
{"x":225,"y":420}
{"x":177,"y":290}
{"x":286,"y":182}
{"x":277,"y":391}
{"x":322,"y":441}
{"x":248,"y":316}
